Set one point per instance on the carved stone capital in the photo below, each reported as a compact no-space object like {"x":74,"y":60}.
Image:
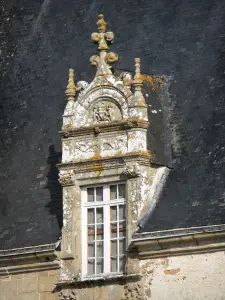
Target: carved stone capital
{"x":66,"y":178}
{"x":131,"y":170}
{"x":67,"y":295}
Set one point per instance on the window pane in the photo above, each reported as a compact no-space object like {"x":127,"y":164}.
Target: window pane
{"x":114,"y":248}
{"x":113,"y":210}
{"x":121,"y":212}
{"x":114,"y":230}
{"x":91,"y":250}
{"x":90,"y":194}
{"x":122,"y":247}
{"x":91,"y":233}
{"x":121,"y":189}
{"x":121,"y":264}
{"x":99,"y":233}
{"x":99,"y":215}
{"x":91,"y":216}
{"x":113,"y":192}
{"x":99,"y":193}
{"x":122,"y":229}
{"x":91,"y":266}
{"x":99,"y":247}
{"x":99,"y":266}
{"x":113,"y":264}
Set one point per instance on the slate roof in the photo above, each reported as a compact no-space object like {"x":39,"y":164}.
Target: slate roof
{"x":41,"y":40}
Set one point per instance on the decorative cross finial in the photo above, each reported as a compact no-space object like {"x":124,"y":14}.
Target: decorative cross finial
{"x":71,"y":88}
{"x":103,"y":38}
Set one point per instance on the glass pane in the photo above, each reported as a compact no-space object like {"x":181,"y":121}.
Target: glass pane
{"x":91,"y":216}
{"x":99,"y":193}
{"x":99,"y":248}
{"x":114,"y":248}
{"x":121,"y":264}
{"x":122,"y":246}
{"x":121,"y":189}
{"x":91,"y":250}
{"x":99,"y":215}
{"x":122,"y":229}
{"x":113,"y":264}
{"x":113,"y":213}
{"x":91,"y":266}
{"x":113,"y":192}
{"x":121,"y":212}
{"x":91,"y":233}
{"x":100,"y":232}
{"x":90,"y":194}
{"x":114,"y":230}
{"x":99,"y":266}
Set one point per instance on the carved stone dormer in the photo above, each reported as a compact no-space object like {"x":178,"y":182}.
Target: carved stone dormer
{"x":104,"y":142}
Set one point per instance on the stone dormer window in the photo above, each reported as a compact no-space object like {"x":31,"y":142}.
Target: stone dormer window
{"x":103,"y":229}
{"x":106,"y":171}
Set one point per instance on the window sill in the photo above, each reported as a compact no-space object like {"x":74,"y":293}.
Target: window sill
{"x":101,"y":280}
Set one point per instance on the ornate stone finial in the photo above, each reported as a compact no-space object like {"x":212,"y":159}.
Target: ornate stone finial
{"x":101,"y":23}
{"x":103,"y":39}
{"x":71,"y":88}
{"x":138,"y":100}
{"x":137,"y":77}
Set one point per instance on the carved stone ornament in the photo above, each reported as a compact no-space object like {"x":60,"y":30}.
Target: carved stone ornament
{"x":66,"y":178}
{"x":132,"y":171}
{"x":67,"y":295}
{"x":105,"y":111}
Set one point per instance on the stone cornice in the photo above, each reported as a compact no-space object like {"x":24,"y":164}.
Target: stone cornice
{"x":179,"y":242}
{"x":108,"y":127}
{"x":106,"y":162}
{"x":28,"y":259}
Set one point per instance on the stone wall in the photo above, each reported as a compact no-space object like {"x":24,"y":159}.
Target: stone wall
{"x":29,"y":286}
{"x":199,"y":276}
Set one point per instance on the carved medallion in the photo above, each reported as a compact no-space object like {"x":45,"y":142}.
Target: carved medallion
{"x":67,"y":295}
{"x":132,"y":170}
{"x":66,"y":178}
{"x":105,"y":111}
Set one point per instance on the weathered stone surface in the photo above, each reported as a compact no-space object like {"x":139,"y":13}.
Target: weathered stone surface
{"x":27,"y":285}
{"x":197,"y":277}
{"x":46,"y":284}
{"x":28,"y":296}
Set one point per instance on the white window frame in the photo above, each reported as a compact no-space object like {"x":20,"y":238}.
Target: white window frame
{"x":106,"y":203}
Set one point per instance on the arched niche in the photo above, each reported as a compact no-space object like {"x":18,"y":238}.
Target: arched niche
{"x":100,"y":105}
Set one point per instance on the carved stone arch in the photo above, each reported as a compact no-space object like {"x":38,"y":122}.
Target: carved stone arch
{"x":104,"y":110}
{"x":85,"y":105}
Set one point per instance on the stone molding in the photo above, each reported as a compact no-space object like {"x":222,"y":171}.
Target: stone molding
{"x":28,"y":259}
{"x":108,"y":161}
{"x":100,"y":128}
{"x":174,"y":245}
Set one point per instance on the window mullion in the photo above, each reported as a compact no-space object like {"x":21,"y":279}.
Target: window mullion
{"x":84,"y":234}
{"x":106,"y":230}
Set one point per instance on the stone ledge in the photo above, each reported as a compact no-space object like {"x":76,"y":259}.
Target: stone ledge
{"x":106,"y":162}
{"x":98,"y":281}
{"x":28,"y":259}
{"x":100,"y":128}
{"x":32,"y":267}
{"x":149,"y":247}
